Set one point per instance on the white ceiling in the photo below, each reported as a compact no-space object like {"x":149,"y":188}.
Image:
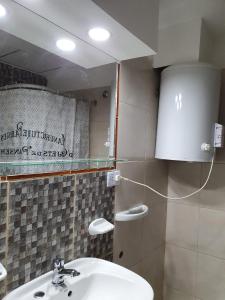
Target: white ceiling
{"x":61,"y":74}
{"x":22,"y":54}
{"x":172,"y":12}
{"x":75,"y":17}
{"x":77,"y":78}
{"x":38,"y":31}
{"x":43,"y":22}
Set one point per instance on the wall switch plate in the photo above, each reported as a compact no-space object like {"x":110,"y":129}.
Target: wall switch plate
{"x":113,"y":178}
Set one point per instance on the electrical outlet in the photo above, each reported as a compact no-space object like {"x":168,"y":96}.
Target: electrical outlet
{"x":113,"y":178}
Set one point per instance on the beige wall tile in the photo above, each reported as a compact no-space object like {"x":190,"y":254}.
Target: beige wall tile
{"x":213,"y":194}
{"x":180,"y":269}
{"x":150,"y":134}
{"x":220,"y":153}
{"x":151,"y":268}
{"x":182,"y":225}
{"x":154,"y":229}
{"x":211,"y":232}
{"x":156,"y":176}
{"x":128,"y":239}
{"x":210,"y":278}
{"x":133,"y":131}
{"x":98,"y":136}
{"x":99,"y":119}
{"x":137,"y":112}
{"x":184,"y":178}
{"x":172,"y":294}
{"x":127,"y":193}
{"x":136,"y":141}
{"x":138,"y":86}
{"x":100,"y":109}
{"x":138,"y":239}
{"x":128,"y":235}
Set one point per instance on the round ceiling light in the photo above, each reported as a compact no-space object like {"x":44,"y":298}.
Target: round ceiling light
{"x":99,"y":34}
{"x":66,"y":45}
{"x":2,"y":11}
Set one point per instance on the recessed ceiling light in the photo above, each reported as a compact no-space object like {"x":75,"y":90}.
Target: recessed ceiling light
{"x":99,"y":34}
{"x":2,"y":11}
{"x":66,"y":45}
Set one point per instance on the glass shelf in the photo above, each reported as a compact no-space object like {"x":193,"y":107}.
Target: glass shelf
{"x":21,"y":167}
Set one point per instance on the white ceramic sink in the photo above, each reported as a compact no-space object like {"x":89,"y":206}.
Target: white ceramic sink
{"x":99,"y":280}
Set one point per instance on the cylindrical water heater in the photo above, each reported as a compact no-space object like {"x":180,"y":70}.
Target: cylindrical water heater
{"x":188,"y":110}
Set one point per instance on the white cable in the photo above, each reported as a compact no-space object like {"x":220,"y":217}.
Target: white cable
{"x":175,"y":198}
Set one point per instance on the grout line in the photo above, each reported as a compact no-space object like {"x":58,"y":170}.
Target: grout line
{"x":163,"y":245}
{"x":197,"y":244}
{"x":169,"y":244}
{"x":198,"y":205}
{"x":219,"y":162}
{"x":184,"y":293}
{"x":144,"y":108}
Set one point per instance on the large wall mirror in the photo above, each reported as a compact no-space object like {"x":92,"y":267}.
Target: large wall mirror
{"x":57,"y":107}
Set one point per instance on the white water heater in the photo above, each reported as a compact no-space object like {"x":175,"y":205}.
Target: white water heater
{"x":188,"y":111}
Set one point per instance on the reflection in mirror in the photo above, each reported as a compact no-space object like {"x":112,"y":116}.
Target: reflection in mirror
{"x":54,"y":115}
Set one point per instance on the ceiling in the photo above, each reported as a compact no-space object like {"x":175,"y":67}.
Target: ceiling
{"x":42,"y":23}
{"x":22,"y":54}
{"x":172,"y":12}
{"x":38,"y":31}
{"x":61,"y":74}
{"x":30,"y":51}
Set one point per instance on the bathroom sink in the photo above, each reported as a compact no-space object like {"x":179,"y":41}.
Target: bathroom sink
{"x":98,"y":280}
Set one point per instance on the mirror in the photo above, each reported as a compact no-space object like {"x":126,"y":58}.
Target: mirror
{"x":56,"y":115}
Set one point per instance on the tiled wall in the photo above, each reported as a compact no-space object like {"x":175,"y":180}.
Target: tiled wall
{"x":195,"y":235}
{"x":139,"y":245}
{"x":44,"y":218}
{"x":99,"y":118}
{"x":13,"y":75}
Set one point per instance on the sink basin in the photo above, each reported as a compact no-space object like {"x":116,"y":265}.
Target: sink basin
{"x":99,"y":280}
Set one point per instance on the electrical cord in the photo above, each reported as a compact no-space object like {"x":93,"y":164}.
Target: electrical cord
{"x":176,"y":198}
